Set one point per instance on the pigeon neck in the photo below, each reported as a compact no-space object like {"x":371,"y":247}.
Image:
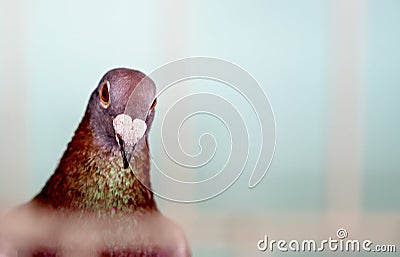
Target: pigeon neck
{"x":91,"y":177}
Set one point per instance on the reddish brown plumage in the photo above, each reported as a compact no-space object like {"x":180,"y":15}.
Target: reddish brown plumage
{"x":87,"y":177}
{"x":92,"y":205}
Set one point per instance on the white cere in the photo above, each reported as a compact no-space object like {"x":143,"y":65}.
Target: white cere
{"x":129,"y":131}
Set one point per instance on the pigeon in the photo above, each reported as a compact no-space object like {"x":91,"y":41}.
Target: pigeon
{"x":99,"y":201}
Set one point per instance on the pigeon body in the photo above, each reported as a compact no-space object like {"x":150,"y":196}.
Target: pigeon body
{"x":98,"y":202}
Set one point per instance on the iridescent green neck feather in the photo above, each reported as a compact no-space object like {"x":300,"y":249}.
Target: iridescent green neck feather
{"x":91,"y":178}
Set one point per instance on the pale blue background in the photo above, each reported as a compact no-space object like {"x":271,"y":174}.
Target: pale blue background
{"x":285,"y":45}
{"x":282,"y":45}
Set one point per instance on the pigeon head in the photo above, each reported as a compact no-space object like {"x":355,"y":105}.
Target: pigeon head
{"x":121,"y":110}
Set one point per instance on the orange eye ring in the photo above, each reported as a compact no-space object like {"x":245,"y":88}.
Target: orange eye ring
{"x":104,"y":94}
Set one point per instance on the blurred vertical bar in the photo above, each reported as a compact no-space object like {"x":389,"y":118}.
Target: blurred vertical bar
{"x":345,"y":128}
{"x":175,"y":22}
{"x":174,"y":19}
{"x":13,"y":150}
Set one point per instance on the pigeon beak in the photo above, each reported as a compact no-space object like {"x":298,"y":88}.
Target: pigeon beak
{"x":126,"y":152}
{"x":128,"y":132}
{"x":131,"y":126}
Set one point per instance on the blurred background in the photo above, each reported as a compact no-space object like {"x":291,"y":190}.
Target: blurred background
{"x":329,"y":68}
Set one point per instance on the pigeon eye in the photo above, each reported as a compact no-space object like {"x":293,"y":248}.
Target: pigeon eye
{"x":153,"y":105}
{"x":104,"y":94}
